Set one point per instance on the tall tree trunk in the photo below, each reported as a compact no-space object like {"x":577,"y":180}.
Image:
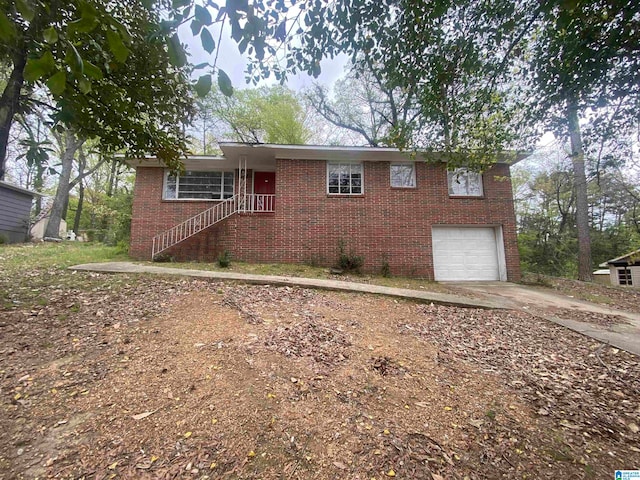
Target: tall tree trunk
{"x":76,"y":220}
{"x":580,"y":184}
{"x":72,"y":143}
{"x":38,"y":185}
{"x":82,"y":165}
{"x":9,"y":104}
{"x":111,"y":180}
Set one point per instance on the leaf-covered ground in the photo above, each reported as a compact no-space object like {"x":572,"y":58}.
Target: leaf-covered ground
{"x":118,"y":376}
{"x":624,"y":298}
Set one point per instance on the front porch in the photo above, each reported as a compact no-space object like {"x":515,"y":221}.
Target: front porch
{"x":248,"y":189}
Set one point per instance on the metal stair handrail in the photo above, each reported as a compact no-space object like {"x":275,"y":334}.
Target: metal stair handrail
{"x":194,"y":225}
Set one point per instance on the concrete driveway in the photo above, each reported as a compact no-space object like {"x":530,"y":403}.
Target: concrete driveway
{"x":549,"y":304}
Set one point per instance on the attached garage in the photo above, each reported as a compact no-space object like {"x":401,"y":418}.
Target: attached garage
{"x":468,"y":253}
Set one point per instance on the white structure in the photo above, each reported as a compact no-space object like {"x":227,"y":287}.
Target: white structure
{"x":624,"y":270}
{"x":38,"y":228}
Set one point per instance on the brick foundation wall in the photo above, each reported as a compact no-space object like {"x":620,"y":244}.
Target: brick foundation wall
{"x":385,"y":225}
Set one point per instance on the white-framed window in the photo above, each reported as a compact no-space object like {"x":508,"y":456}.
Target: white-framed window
{"x":344,"y":178}
{"x":624,"y":277}
{"x":403,"y":175}
{"x":194,"y":185}
{"x":464,"y":183}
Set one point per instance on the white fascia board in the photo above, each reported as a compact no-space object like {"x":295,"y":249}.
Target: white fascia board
{"x":330,"y":152}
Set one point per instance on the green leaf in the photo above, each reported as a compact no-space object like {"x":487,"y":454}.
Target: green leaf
{"x":25,"y":10}
{"x":117,"y":47}
{"x":177,"y":55}
{"x":37,"y":68}
{"x":203,"y":85}
{"x":180,"y":3}
{"x":92,"y":71}
{"x":196,"y":26}
{"x":74,"y":60}
{"x":124,"y":31}
{"x":84,"y":24}
{"x":7,"y":30}
{"x":84,"y":85}
{"x":224,"y":82}
{"x":50,"y":35}
{"x":203,"y":15}
{"x":57,"y":83}
{"x":207,"y":41}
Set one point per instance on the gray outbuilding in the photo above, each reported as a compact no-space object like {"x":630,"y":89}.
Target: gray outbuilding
{"x":15,"y":207}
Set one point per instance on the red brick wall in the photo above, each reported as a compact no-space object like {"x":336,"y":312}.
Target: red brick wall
{"x":384,"y":225}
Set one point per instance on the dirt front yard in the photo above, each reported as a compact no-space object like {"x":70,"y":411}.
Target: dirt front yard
{"x":143,"y":377}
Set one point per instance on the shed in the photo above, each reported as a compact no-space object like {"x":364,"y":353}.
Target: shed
{"x":624,"y":270}
{"x":15,"y":207}
{"x":602,"y":276}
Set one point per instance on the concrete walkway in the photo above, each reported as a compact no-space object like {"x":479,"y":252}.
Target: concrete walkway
{"x":492,"y":296}
{"x":423,"y":296}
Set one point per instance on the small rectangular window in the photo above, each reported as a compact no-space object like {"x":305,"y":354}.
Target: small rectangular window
{"x":624,"y":277}
{"x":403,"y":175}
{"x":464,"y":183}
{"x":193,"y":185}
{"x":344,"y":178}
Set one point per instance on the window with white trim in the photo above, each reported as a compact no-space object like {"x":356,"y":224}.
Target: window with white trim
{"x":624,"y":277}
{"x":464,"y":183}
{"x":194,"y":185}
{"x":403,"y":175}
{"x":344,"y":178}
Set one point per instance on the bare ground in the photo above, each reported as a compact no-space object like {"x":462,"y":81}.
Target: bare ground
{"x":140,"y":377}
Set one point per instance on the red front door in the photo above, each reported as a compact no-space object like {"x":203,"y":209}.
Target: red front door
{"x":264,"y":187}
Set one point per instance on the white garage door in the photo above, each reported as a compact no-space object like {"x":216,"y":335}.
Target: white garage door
{"x":466,"y":253}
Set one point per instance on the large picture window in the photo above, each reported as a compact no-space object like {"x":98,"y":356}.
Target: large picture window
{"x":199,"y":186}
{"x":403,"y":175}
{"x":464,"y":183}
{"x":344,"y":178}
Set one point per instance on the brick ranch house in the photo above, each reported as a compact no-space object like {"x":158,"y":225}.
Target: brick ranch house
{"x":299,"y":204}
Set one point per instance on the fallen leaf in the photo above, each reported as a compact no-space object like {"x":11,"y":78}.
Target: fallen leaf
{"x":113,"y":466}
{"x":251,"y":454}
{"x":391,"y":473}
{"x":633,"y":427}
{"x":187,"y":435}
{"x":140,"y":416}
{"x":340,"y":465}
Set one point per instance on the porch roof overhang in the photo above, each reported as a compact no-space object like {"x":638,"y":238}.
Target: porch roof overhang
{"x":205,"y":162}
{"x":265,"y":151}
{"x":262,"y":156}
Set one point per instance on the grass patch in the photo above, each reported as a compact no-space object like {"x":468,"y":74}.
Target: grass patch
{"x":307,"y":271}
{"x":17,"y":258}
{"x":30,"y":271}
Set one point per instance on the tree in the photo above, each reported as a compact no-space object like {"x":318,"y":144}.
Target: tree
{"x":107,"y":68}
{"x":586,"y":58}
{"x":263,"y":115}
{"x":366,"y":106}
{"x":577,"y":57}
